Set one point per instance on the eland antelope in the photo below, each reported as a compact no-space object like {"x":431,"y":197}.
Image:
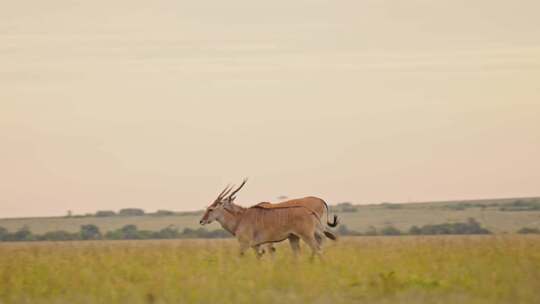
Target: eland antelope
{"x":265,"y":223}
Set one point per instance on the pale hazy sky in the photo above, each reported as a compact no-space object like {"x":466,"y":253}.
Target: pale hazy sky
{"x":158,"y":104}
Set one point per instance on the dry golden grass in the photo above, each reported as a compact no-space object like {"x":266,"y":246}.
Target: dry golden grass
{"x":487,"y":269}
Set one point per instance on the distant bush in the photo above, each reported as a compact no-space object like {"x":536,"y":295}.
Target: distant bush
{"x":164,"y":213}
{"x":90,"y":232}
{"x":169,"y":232}
{"x":371,"y":231}
{"x":22,"y":235}
{"x":105,"y":213}
{"x":131,"y":232}
{"x":415,"y":230}
{"x":3,"y":233}
{"x":466,"y":205}
{"x":59,"y":235}
{"x":131,"y":212}
{"x":344,"y":230}
{"x":390,"y":230}
{"x":391,"y":206}
{"x":521,"y":205}
{"x":527,"y":230}
{"x":345,"y":207}
{"x":469,"y":227}
{"x":191,"y":213}
{"x":456,"y":207}
{"x":128,"y":232}
{"x":218,"y":234}
{"x":203,"y":233}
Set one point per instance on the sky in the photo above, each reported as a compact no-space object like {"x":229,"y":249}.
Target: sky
{"x":158,"y":105}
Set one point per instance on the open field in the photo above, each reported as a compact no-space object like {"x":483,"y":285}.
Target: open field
{"x":479,"y":269}
{"x":401,"y":216}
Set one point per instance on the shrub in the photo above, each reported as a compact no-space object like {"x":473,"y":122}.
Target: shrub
{"x":105,"y":213}
{"x":169,"y":232}
{"x":130,"y":232}
{"x":23,"y":234}
{"x":344,"y":207}
{"x":90,"y":232}
{"x":59,"y":235}
{"x":344,"y":230}
{"x":131,"y":212}
{"x":415,"y":230}
{"x":390,"y":230}
{"x":371,"y":231}
{"x":191,"y":213}
{"x":218,"y":234}
{"x":203,"y":233}
{"x":3,"y":233}
{"x":527,"y":230}
{"x":457,"y":207}
{"x":521,"y":205}
{"x":164,"y":213}
{"x":391,"y":206}
{"x":469,"y":227}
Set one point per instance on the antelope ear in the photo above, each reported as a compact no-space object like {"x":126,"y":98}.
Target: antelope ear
{"x":227,"y":204}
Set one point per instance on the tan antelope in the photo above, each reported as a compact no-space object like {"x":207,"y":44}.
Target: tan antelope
{"x":265,"y":223}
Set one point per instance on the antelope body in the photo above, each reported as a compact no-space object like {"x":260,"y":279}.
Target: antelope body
{"x":265,"y":223}
{"x":312,"y":203}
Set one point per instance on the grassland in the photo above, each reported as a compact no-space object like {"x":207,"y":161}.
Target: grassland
{"x":401,"y":216}
{"x":451,"y":269}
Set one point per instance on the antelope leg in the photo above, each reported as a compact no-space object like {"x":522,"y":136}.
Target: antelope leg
{"x":294,"y":241}
{"x":258,"y":251}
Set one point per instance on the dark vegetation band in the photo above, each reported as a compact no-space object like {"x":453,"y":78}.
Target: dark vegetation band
{"x":131,"y":232}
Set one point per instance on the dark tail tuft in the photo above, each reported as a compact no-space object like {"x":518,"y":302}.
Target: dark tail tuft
{"x":335,"y":223}
{"x":330,"y":235}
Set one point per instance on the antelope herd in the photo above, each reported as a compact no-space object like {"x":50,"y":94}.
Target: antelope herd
{"x":264,"y":224}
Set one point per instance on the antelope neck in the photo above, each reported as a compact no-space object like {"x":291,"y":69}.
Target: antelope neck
{"x":236,"y":217}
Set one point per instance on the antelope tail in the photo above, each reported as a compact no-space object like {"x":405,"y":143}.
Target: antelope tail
{"x":331,"y":224}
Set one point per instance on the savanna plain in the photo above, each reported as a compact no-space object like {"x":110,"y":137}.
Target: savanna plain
{"x":405,"y":269}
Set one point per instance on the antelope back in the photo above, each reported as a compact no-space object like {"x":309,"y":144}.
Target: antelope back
{"x":311,"y":203}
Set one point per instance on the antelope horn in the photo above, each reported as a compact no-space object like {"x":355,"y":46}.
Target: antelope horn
{"x":223,"y":193}
{"x":231,"y":196}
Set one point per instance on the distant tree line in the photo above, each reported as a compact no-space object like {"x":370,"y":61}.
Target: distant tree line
{"x":521,"y":205}
{"x":132,"y":232}
{"x":515,"y":205}
{"x":124,"y":212}
{"x":128,"y":232}
{"x":528,"y":230}
{"x":133,"y":212}
{"x":525,"y":204}
{"x":469,"y":227}
{"x":466,"y":205}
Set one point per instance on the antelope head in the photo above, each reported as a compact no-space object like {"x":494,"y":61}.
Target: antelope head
{"x":223,"y":203}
